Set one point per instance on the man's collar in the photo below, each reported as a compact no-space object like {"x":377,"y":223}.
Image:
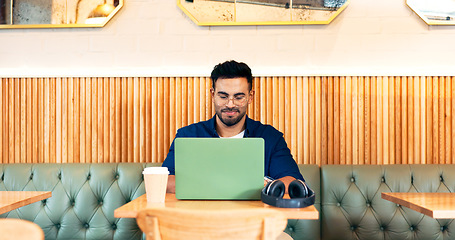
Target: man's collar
{"x":211,"y":125}
{"x":248,"y":126}
{"x":212,"y":121}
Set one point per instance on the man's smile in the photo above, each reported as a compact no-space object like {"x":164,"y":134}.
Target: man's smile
{"x":230,"y":112}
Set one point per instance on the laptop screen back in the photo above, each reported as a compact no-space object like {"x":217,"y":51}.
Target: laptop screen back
{"x":219,"y":168}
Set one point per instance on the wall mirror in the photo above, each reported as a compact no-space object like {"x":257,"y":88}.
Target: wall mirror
{"x":262,"y":12}
{"x":57,"y":13}
{"x":434,"y":12}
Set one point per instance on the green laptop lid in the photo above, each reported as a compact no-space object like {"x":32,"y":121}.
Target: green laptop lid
{"x":219,"y":168}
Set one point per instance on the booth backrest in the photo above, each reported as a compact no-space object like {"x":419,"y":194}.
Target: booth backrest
{"x":308,"y":229}
{"x":352,"y":207}
{"x":348,"y":197}
{"x":84,"y":197}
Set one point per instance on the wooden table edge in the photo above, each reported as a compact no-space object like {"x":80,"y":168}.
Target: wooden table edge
{"x":389,"y":196}
{"x":290,"y":213}
{"x":41,"y":195}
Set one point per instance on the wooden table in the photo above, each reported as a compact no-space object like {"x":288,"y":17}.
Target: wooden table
{"x":435,"y":205}
{"x":131,"y":209}
{"x":10,"y":200}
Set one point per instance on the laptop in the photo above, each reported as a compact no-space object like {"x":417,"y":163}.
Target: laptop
{"x":219,"y":168}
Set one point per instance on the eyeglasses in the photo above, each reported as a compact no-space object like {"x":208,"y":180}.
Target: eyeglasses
{"x":237,"y":100}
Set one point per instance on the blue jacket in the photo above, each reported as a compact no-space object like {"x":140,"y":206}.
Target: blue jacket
{"x":278,"y":159}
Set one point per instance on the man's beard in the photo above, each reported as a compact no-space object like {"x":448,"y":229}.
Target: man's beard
{"x":230,"y":121}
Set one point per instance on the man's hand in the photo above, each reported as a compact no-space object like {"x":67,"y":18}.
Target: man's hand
{"x":170,"y":184}
{"x":267,"y":179}
{"x":287,"y":180}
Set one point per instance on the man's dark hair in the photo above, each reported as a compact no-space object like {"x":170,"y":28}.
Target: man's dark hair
{"x":232,"y":69}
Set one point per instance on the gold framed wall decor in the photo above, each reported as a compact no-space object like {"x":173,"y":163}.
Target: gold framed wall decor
{"x":440,"y":12}
{"x":262,"y":12}
{"x":57,"y":13}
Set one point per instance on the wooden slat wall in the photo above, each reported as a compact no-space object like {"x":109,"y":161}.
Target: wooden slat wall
{"x":325,"y":120}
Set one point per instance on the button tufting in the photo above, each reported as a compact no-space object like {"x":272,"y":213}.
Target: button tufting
{"x":442,"y":229}
{"x":100,"y":202}
{"x":114,"y":226}
{"x":291,"y":229}
{"x":31,"y":176}
{"x":60,"y":176}
{"x":116,"y":176}
{"x":44,"y":202}
{"x":382,"y":179}
{"x":72,"y":203}
{"x":352,"y":179}
{"x":411,"y":228}
{"x":368,"y":204}
{"x":86,"y":225}
{"x":57,"y":225}
{"x":352,"y":228}
{"x":382,"y":228}
{"x":398,"y":205}
{"x":338,"y":204}
{"x":88,"y":177}
{"x":441,"y":178}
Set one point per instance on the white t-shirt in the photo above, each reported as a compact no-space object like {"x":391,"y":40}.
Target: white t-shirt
{"x":240,"y":135}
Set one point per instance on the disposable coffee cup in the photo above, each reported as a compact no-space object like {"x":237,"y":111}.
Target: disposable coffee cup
{"x":155,"y":179}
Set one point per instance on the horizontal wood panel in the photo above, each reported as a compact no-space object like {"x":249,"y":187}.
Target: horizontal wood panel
{"x":325,"y":120}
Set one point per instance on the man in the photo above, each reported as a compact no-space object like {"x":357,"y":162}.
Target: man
{"x":231,"y":94}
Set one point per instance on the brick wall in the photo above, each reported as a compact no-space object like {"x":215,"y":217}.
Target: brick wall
{"x":154,"y":38}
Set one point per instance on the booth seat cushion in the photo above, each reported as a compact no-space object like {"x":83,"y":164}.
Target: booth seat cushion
{"x":84,"y":197}
{"x":352,"y":207}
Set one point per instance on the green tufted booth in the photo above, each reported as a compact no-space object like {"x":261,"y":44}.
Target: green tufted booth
{"x":84,"y":197}
{"x":352,"y":207}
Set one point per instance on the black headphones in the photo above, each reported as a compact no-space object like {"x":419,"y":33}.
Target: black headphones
{"x":300,"y":194}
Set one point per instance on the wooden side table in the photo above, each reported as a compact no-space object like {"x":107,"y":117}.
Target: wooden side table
{"x":435,"y":205}
{"x":10,"y":200}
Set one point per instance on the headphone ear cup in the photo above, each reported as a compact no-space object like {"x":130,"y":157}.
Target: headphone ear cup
{"x":276,"y":188}
{"x":298,"y":189}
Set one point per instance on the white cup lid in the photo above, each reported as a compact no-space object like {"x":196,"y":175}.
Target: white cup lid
{"x":155,"y":170}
